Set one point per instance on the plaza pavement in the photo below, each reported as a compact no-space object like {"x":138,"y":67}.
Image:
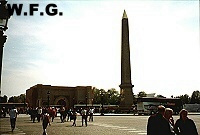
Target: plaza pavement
{"x":109,"y":124}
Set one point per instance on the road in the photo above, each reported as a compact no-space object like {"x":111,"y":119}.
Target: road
{"x":102,"y":125}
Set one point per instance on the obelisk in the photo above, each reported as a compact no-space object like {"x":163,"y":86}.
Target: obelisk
{"x":126,"y":83}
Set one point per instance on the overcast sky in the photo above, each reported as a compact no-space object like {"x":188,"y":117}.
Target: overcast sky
{"x":82,"y":47}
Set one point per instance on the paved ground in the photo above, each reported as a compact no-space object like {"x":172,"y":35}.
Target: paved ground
{"x":102,"y":125}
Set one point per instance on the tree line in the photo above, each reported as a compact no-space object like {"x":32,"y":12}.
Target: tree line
{"x":112,"y":97}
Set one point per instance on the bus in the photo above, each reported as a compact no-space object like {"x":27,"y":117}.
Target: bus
{"x":98,"y":107}
{"x":148,"y":105}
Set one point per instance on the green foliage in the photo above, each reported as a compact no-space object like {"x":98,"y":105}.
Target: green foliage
{"x":160,"y":96}
{"x":17,"y":99}
{"x":110,"y":97}
{"x":184,"y":98}
{"x":142,"y":94}
{"x":195,"y":98}
{"x":3,"y":99}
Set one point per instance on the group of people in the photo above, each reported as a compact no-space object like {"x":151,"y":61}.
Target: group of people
{"x":162,"y":123}
{"x":72,"y":114}
{"x":37,"y":113}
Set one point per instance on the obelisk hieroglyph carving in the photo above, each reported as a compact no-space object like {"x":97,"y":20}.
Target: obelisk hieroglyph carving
{"x":126,"y":83}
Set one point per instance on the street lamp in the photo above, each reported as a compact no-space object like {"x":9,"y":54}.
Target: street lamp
{"x":24,"y":102}
{"x":4,"y":16}
{"x":102,"y":109}
{"x":73,"y":102}
{"x":86,"y":101}
{"x":48,"y":94}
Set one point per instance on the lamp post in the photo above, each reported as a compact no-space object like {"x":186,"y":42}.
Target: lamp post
{"x":86,"y":101}
{"x":73,"y":102}
{"x":48,"y":99}
{"x":4,"y":16}
{"x":24,"y":102}
{"x":102,"y":109}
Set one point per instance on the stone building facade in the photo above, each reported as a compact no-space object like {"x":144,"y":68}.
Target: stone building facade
{"x":42,"y":95}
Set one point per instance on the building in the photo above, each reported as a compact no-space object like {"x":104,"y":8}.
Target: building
{"x":44,"y":95}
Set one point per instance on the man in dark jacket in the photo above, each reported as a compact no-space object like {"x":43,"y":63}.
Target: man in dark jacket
{"x":157,"y":124}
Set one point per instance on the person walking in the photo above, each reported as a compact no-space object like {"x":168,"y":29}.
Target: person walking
{"x":53,"y":113}
{"x":39,"y":114}
{"x":184,"y":125}
{"x":91,"y":112}
{"x":34,"y":114}
{"x":62,"y":111}
{"x":84,"y":116}
{"x":74,"y":114}
{"x":13,"y":116}
{"x":45,"y":122}
{"x":157,"y":124}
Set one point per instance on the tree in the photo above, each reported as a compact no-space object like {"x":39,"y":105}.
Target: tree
{"x":11,"y":100}
{"x":113,"y":96}
{"x":160,"y":96}
{"x":110,"y":97}
{"x":17,"y":99}
{"x":184,"y":98}
{"x":3,"y":99}
{"x":142,"y":94}
{"x":195,"y":98}
{"x":97,"y":95}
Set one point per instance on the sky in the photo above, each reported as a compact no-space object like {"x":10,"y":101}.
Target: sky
{"x":82,"y":47}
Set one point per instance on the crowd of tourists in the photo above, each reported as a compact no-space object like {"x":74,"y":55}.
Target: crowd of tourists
{"x":47,"y":115}
{"x":162,"y":123}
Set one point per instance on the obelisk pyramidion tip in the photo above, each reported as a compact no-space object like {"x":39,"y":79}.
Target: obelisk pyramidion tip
{"x":124,"y":15}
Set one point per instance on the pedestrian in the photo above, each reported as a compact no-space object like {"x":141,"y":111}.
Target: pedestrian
{"x":184,"y":125}
{"x":74,"y":114}
{"x":84,"y":116}
{"x":69,"y":115}
{"x":13,"y":116}
{"x":91,"y":113}
{"x":34,"y":114}
{"x":157,"y":124}
{"x":39,"y":113}
{"x":45,"y":122}
{"x":53,"y":113}
{"x":62,"y":111}
{"x":168,"y":116}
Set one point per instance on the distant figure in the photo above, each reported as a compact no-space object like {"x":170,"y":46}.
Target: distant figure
{"x":45,"y":122}
{"x":53,"y":113}
{"x":69,"y":115}
{"x":39,"y":114}
{"x":157,"y":124}
{"x":184,"y":125}
{"x":84,"y":116}
{"x":13,"y":116}
{"x":91,"y":113}
{"x":34,"y":114}
{"x":62,"y":114}
{"x":169,"y":118}
{"x":74,"y":114}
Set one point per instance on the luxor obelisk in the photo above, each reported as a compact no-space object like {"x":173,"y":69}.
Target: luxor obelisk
{"x":126,"y":83}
